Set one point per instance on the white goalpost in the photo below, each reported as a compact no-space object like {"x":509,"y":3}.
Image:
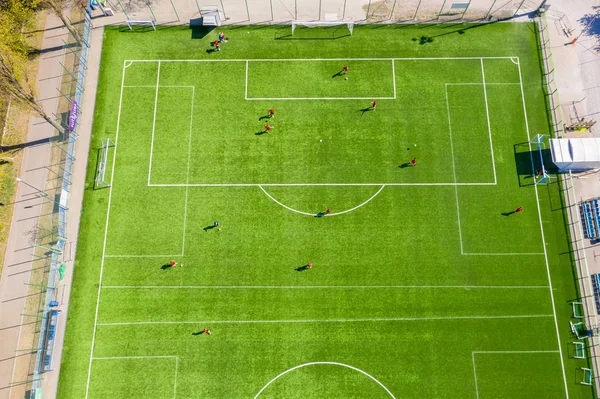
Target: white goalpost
{"x":100,"y":180}
{"x":315,"y":24}
{"x":131,"y":23}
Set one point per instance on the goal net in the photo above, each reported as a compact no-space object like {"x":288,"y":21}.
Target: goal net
{"x":316,"y":24}
{"x":540,"y":171}
{"x":131,"y":23}
{"x":101,"y":181}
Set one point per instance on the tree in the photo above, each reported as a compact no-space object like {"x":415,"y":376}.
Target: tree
{"x":15,"y":17}
{"x":58,"y":8}
{"x":16,"y":82}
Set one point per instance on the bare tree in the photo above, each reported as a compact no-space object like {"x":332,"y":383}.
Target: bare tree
{"x":58,"y":8}
{"x":16,"y":82}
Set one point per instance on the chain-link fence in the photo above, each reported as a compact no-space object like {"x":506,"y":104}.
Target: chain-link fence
{"x":49,"y":238}
{"x":280,"y":11}
{"x":551,"y":90}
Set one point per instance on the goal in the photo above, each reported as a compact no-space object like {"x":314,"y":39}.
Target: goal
{"x":541,"y":174}
{"x":101,"y":172}
{"x":316,"y":24}
{"x":131,"y":23}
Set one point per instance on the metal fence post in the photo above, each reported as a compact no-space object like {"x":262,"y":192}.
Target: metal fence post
{"x":123,"y":9}
{"x":490,"y":10}
{"x":151,"y":12}
{"x":247,"y":11}
{"x":520,"y":5}
{"x":198,"y":6}
{"x":319,"y":10}
{"x":465,"y":11}
{"x":223,"y":8}
{"x":271,"y":4}
{"x":295,"y":9}
{"x":344,"y":12}
{"x":368,"y":9}
{"x":392,"y":13}
{"x":174,"y":9}
{"x":441,"y":9}
{"x":417,"y":10}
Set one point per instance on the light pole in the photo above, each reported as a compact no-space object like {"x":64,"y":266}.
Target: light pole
{"x":43,"y":194}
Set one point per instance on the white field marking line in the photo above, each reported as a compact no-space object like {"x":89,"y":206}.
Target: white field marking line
{"x":453,"y":167}
{"x":479,"y":83}
{"x":141,"y":256}
{"x":87,"y":387}
{"x":316,"y":98}
{"x":327,"y":363}
{"x":487,"y":115}
{"x":154,"y":86}
{"x":514,"y":60}
{"x":358,"y":320}
{"x":246,"y":89}
{"x":154,"y":123}
{"x":562,"y":362}
{"x":187,"y":176}
{"x":335,"y":59}
{"x":394,"y":77}
{"x":148,"y":357}
{"x":317,"y":214}
{"x":127,"y":64}
{"x":502,"y":253}
{"x":498,"y":352}
{"x":329,"y":287}
{"x":462,"y":252}
{"x":315,"y":184}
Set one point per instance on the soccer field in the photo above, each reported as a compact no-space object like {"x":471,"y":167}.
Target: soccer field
{"x":424,"y":282}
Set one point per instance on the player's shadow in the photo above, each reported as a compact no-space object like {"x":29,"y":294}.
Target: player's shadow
{"x":198,"y":333}
{"x":320,"y":214}
{"x":404,"y":165}
{"x":508,"y":213}
{"x":212,"y":226}
{"x":340,"y":73}
{"x":260,"y":133}
{"x":210,"y":50}
{"x":166,"y":266}
{"x":301,"y":268}
{"x":264,"y":117}
{"x":365,"y":110}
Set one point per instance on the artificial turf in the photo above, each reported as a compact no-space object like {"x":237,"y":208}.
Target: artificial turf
{"x":430,"y":288}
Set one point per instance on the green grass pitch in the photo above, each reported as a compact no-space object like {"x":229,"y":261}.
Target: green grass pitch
{"x":422,"y":286}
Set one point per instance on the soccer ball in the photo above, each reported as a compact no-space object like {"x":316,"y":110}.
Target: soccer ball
{"x":415,"y":145}
{"x":321,"y":141}
{"x":346,"y":78}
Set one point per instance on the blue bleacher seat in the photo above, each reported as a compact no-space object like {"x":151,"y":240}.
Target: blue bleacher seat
{"x":596,"y":286}
{"x":589,"y":221}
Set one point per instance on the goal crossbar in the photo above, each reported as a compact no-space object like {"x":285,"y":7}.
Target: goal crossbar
{"x":316,"y":24}
{"x":131,"y":22}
